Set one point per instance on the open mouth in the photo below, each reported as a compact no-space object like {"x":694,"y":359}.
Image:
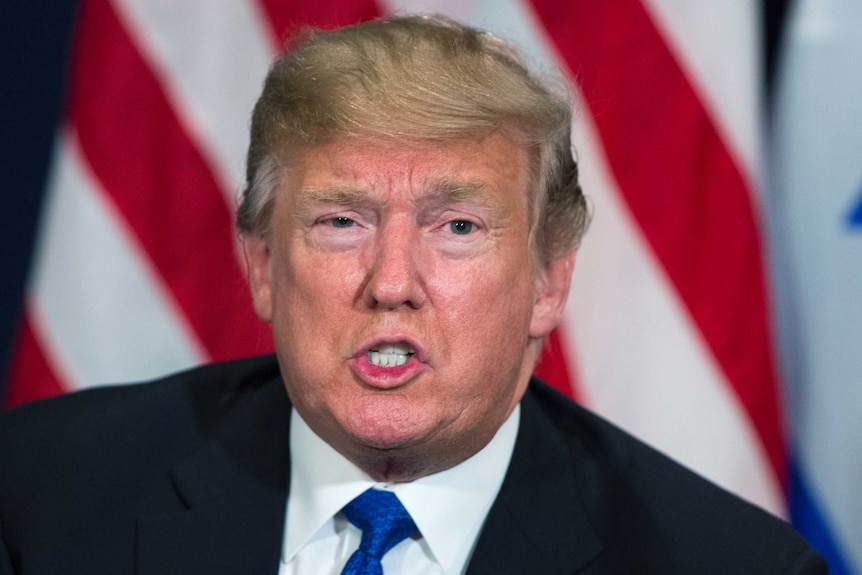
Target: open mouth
{"x":390,"y":354}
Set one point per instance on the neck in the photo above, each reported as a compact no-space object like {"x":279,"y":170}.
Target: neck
{"x":405,"y":464}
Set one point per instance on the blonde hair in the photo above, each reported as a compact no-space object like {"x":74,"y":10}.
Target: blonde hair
{"x":414,"y":80}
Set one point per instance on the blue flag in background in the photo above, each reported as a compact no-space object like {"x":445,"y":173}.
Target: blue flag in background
{"x":856,"y":215}
{"x":815,"y":209}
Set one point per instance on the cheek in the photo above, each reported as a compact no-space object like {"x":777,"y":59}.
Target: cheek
{"x":487,"y":311}
{"x":488,"y":289}
{"x":302,"y":281}
{"x":308,"y":305}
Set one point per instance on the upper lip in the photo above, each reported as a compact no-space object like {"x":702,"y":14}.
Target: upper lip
{"x":419,"y":354}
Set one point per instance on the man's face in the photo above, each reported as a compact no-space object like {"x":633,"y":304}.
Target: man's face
{"x":405,"y":313}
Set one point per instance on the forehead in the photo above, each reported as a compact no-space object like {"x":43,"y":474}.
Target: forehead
{"x":491,"y":170}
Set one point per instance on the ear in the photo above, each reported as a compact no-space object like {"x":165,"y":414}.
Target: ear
{"x":552,"y":291}
{"x":257,"y":259}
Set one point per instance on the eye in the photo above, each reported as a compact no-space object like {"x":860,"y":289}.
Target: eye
{"x":341,"y":222}
{"x":461,"y":227}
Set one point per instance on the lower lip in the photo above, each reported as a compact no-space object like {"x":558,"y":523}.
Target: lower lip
{"x":386,"y":377}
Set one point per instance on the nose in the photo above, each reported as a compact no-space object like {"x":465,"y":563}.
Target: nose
{"x":394,"y":277}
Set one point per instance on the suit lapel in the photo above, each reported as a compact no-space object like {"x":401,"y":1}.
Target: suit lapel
{"x":537,"y":524}
{"x":233,"y":491}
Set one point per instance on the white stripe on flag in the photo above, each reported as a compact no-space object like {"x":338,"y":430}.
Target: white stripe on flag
{"x":211,"y":59}
{"x":102,"y":312}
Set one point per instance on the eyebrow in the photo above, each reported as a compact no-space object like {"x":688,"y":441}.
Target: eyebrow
{"x":308,"y":200}
{"x":444,"y":192}
{"x":340,"y":196}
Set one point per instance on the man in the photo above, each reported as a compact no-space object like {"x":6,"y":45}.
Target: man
{"x":410,"y":219}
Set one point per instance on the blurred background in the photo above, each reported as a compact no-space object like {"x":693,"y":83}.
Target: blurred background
{"x":716,"y":310}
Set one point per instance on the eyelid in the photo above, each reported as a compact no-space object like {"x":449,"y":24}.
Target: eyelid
{"x":327,"y":214}
{"x":448,"y":217}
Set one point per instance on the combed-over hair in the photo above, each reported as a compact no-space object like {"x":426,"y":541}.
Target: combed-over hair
{"x":414,"y":80}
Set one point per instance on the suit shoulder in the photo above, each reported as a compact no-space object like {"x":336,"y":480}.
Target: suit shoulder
{"x":115,"y":414}
{"x":106,"y":459}
{"x":700,"y":526}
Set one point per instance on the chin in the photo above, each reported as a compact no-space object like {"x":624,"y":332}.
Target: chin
{"x":391,"y":424}
{"x":387,"y":434}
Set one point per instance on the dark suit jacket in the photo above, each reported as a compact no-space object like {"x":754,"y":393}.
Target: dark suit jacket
{"x":190,"y":475}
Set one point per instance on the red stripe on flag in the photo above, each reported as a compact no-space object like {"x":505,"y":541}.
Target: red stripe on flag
{"x":156,"y":177}
{"x":30,"y":376}
{"x":287,"y":17}
{"x":553,"y":366}
{"x":681,"y":184}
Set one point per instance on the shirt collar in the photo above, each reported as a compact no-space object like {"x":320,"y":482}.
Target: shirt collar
{"x":449,"y":507}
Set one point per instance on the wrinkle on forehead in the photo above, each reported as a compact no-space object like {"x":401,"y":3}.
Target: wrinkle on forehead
{"x":367,"y":177}
{"x":431,"y":193}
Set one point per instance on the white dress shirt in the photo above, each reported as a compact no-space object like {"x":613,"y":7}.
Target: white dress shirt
{"x":449,"y":507}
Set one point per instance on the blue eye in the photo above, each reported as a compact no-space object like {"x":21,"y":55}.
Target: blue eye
{"x":461,"y":227}
{"x":341,"y":222}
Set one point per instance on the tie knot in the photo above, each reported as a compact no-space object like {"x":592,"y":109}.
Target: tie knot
{"x":383,"y":520}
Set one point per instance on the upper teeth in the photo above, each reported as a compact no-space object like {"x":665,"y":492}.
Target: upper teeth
{"x":390,"y":355}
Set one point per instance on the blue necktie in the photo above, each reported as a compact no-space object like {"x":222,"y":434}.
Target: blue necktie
{"x":384,"y":523}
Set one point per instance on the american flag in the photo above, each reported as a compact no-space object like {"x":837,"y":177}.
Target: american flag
{"x":669,"y":327}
